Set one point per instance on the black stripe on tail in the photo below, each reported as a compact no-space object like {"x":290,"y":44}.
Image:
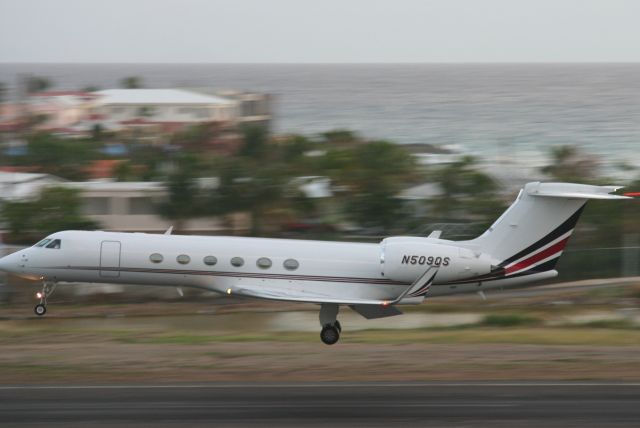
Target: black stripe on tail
{"x":568,"y":224}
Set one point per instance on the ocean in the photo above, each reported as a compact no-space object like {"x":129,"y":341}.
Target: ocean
{"x":508,"y":111}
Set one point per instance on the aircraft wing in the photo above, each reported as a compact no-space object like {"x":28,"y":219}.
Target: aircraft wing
{"x":418,"y":289}
{"x":263,"y":292}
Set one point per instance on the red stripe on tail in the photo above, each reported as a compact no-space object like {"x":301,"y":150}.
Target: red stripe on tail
{"x":555,"y":248}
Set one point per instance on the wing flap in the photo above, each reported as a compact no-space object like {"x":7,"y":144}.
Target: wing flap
{"x":371,"y":312}
{"x":262,"y":292}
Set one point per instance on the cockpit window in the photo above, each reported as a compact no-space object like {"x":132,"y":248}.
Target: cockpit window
{"x":42,"y":243}
{"x":55,"y":244}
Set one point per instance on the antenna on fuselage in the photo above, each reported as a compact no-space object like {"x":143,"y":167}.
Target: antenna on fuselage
{"x":168,"y":231}
{"x":435,"y":234}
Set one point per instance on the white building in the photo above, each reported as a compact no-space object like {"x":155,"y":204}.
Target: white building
{"x":119,"y":206}
{"x":133,"y":207}
{"x":24,"y":185}
{"x":164,"y":106}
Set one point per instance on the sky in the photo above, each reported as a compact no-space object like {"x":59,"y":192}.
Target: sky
{"x":320,"y":31}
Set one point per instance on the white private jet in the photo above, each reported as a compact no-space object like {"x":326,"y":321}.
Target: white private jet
{"x":522,"y":246}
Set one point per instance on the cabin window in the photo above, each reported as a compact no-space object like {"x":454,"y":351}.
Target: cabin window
{"x":210,"y":260}
{"x":156,"y":258}
{"x":237,"y":261}
{"x":264,"y":263}
{"x":55,"y":244}
{"x":183,"y":259}
{"x":291,"y":264}
{"x":42,"y":243}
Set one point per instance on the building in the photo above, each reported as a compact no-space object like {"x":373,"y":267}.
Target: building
{"x":60,"y":110}
{"x":24,"y":185}
{"x":119,"y":206}
{"x":253,"y":108}
{"x":167,"y":109}
{"x":133,"y":207}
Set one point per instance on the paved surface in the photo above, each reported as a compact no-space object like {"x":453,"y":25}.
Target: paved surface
{"x":324,"y":404}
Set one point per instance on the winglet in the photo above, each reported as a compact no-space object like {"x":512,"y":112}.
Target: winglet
{"x":420,"y":286}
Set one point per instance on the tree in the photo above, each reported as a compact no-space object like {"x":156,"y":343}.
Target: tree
{"x":58,"y":156}
{"x":255,"y":139}
{"x":123,"y":171}
{"x":55,"y":209}
{"x":569,"y":164}
{"x":90,"y":88}
{"x":249,"y":186}
{"x":466,"y":192}
{"x":131,"y":82}
{"x":35,"y":84}
{"x":184,"y":200}
{"x":343,"y":137}
{"x":195,"y":137}
{"x":146,"y":111}
{"x":3,"y":92}
{"x":372,"y":175}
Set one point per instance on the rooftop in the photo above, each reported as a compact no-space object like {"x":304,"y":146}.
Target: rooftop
{"x":158,"y":96}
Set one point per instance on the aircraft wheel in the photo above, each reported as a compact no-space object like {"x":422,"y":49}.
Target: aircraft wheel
{"x":329,"y":335}
{"x":40,"y":309}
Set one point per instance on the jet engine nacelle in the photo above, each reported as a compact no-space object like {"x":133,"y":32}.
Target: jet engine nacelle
{"x":404,"y":259}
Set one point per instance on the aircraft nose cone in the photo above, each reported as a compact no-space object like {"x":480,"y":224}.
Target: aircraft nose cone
{"x":10,"y":263}
{"x":4,"y":263}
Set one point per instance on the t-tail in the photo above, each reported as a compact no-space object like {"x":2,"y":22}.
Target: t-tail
{"x":532,"y":233}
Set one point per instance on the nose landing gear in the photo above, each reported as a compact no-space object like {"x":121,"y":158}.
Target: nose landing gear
{"x":331,"y":327}
{"x":47,"y":290}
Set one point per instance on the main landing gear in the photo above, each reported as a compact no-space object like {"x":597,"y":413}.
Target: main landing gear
{"x":331,"y":327}
{"x":47,"y":290}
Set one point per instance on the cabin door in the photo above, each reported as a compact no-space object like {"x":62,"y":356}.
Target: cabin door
{"x":110,"y":259}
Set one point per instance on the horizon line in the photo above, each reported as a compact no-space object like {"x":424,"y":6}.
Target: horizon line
{"x":322,"y":63}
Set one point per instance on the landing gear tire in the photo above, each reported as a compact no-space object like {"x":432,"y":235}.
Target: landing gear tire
{"x":329,"y":335}
{"x":40,"y":309}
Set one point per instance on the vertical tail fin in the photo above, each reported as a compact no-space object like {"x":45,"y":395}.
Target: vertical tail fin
{"x":533,"y":231}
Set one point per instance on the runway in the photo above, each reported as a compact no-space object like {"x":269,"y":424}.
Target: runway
{"x":324,"y":404}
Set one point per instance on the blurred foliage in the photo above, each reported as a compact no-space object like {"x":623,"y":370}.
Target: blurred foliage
{"x":35,"y":84}
{"x":131,"y":82}
{"x":194,"y":138}
{"x":3,"y":92}
{"x":341,"y":137}
{"x":90,"y":88}
{"x":58,"y":156}
{"x":370,"y":175}
{"x":255,"y":139}
{"x":54,"y":210}
{"x":569,"y":164}
{"x":509,"y":320}
{"x":183,"y":201}
{"x":467,"y":192}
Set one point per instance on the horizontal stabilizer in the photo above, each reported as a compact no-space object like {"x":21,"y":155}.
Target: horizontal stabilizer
{"x":572,"y":191}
